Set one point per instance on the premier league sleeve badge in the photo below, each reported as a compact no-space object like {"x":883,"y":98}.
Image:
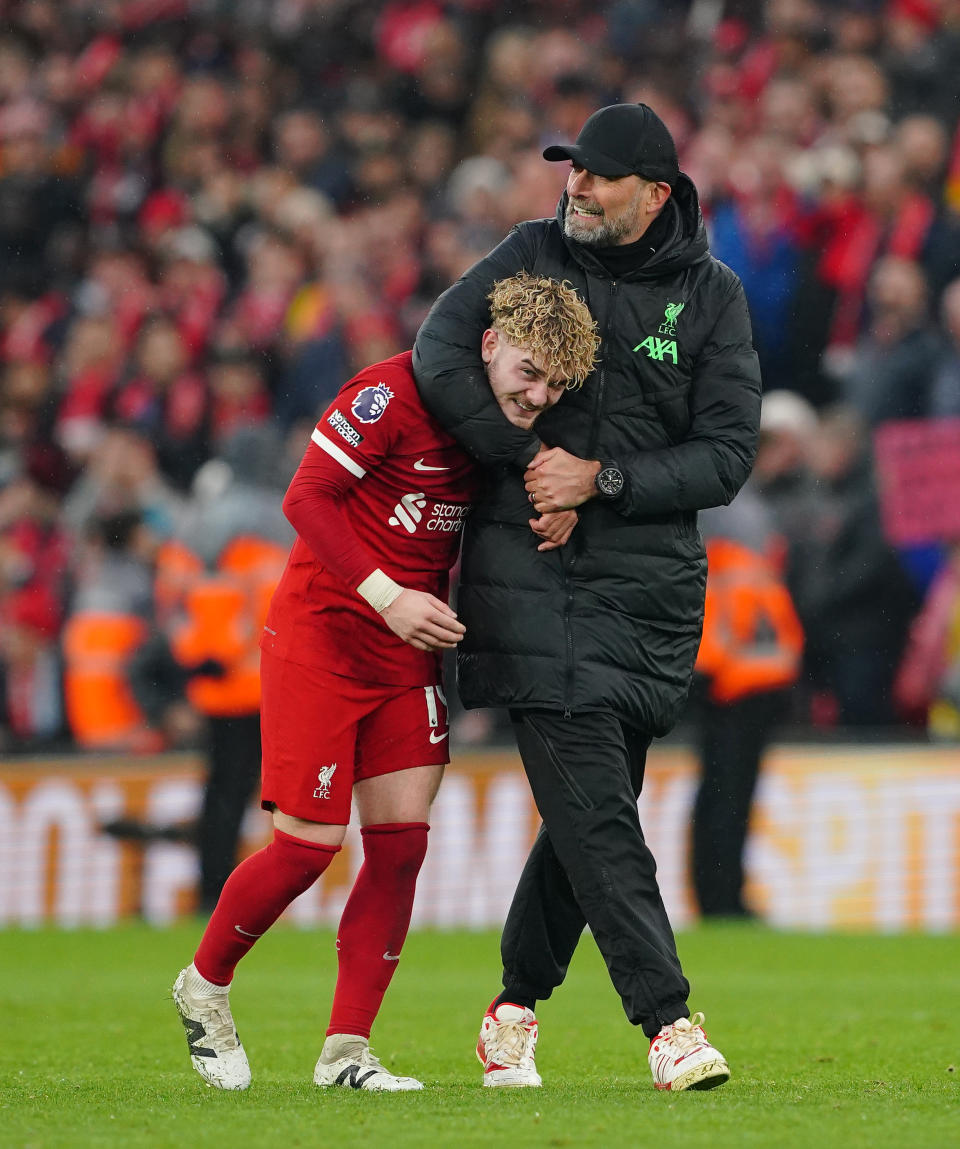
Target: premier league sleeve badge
{"x":371,"y":402}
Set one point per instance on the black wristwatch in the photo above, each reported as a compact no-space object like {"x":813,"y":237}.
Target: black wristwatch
{"x":609,"y":480}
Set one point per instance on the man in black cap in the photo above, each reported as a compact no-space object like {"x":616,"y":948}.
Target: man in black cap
{"x":592,"y":646}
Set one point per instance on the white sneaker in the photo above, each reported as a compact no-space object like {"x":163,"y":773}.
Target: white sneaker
{"x":215,"y":1049}
{"x":681,"y":1057}
{"x":508,"y":1041}
{"x":348,"y":1060}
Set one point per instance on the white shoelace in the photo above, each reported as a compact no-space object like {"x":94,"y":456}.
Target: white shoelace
{"x":359,"y":1054}
{"x":370,"y":1060}
{"x":512,"y":1043}
{"x":689,"y":1038}
{"x":217,"y":1021}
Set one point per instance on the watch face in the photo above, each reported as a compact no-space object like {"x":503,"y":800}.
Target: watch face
{"x":610,"y":481}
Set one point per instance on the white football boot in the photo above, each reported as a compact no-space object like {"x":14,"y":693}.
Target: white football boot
{"x":508,"y":1041}
{"x":348,"y":1060}
{"x":681,"y":1057}
{"x":215,"y":1049}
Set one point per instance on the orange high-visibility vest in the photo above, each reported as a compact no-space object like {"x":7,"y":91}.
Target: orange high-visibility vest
{"x":222,"y":616}
{"x":752,"y":638}
{"x":101,"y":709}
{"x":177,"y":569}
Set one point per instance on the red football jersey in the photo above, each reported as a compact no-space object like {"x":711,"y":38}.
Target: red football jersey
{"x":381,"y":485}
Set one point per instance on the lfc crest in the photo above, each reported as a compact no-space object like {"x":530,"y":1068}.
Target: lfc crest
{"x":325,"y":778}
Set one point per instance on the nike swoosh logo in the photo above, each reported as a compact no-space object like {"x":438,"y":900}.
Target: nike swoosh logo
{"x":245,"y":934}
{"x":420,"y":465}
{"x":435,"y":738}
{"x":388,"y":956}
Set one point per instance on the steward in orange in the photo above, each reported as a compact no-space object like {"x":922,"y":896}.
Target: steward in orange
{"x":102,"y":710}
{"x":749,"y":657}
{"x":752,"y":639}
{"x":110,"y":620}
{"x":214,"y":620}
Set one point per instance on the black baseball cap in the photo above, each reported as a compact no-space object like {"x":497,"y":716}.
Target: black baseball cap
{"x":623,"y":140}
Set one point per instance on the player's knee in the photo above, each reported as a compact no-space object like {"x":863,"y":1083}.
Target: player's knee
{"x":396,"y":847}
{"x":320,"y":833}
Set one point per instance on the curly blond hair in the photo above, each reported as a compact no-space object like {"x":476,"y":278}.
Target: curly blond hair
{"x":550,"y":320}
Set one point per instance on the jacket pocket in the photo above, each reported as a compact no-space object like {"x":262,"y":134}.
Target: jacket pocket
{"x":673,"y":409}
{"x":671,"y":404}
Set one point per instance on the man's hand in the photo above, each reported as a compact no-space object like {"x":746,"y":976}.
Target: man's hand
{"x":423,"y":621}
{"x":557,"y":480}
{"x":182,"y":724}
{"x":554,"y":528}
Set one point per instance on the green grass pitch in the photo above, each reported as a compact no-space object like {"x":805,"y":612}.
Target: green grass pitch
{"x":832,"y":1040}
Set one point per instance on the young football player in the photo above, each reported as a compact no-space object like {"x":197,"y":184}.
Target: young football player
{"x":353,"y":708}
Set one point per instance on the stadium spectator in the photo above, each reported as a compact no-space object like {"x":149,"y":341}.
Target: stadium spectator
{"x":851,"y":591}
{"x":40,"y":216}
{"x":890,"y":371}
{"x":923,"y":144}
{"x":577,"y":649}
{"x":123,"y":474}
{"x":239,"y":398}
{"x":781,"y":470}
{"x":167,"y":400}
{"x":756,"y":231}
{"x":945,"y":385}
{"x":302,"y":146}
{"x":35,"y":556}
{"x":927,"y":685}
{"x":31,"y":714}
{"x":352,"y":703}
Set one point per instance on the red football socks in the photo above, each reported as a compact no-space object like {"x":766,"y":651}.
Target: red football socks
{"x":375,"y":922}
{"x":254,"y":896}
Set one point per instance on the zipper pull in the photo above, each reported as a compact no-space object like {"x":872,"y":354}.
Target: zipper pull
{"x":566,"y":712}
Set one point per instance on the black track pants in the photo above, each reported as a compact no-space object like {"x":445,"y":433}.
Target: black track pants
{"x":590,"y":865}
{"x":731,"y":738}
{"x":233,"y":771}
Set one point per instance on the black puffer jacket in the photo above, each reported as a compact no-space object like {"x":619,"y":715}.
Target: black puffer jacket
{"x":612,"y":620}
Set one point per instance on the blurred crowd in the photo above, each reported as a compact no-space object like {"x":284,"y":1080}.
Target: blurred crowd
{"x":213,"y":212}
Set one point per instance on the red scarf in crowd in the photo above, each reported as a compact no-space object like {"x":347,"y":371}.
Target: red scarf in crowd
{"x":858,"y":240}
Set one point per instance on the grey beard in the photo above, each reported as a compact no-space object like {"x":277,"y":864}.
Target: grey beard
{"x":606,"y":235}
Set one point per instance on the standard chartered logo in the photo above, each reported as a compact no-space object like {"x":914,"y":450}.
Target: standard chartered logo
{"x":445,"y":518}
{"x":408,"y":512}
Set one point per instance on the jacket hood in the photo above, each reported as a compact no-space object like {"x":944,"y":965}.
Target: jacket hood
{"x":686,"y":243}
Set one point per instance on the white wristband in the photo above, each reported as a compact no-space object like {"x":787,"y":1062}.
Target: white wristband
{"x":379,"y":590}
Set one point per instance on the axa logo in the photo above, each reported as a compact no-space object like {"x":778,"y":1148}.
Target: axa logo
{"x":656,"y":348}
{"x":325,"y":780}
{"x":408,"y":512}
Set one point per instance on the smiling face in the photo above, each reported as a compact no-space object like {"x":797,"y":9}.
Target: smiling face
{"x":607,"y":212}
{"x":522,"y":386}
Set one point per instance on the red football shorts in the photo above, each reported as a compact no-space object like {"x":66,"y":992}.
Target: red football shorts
{"x":321,"y":733}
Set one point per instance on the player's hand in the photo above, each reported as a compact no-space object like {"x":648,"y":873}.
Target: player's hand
{"x":557,"y":480}
{"x":423,"y":621}
{"x":555,"y":528}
